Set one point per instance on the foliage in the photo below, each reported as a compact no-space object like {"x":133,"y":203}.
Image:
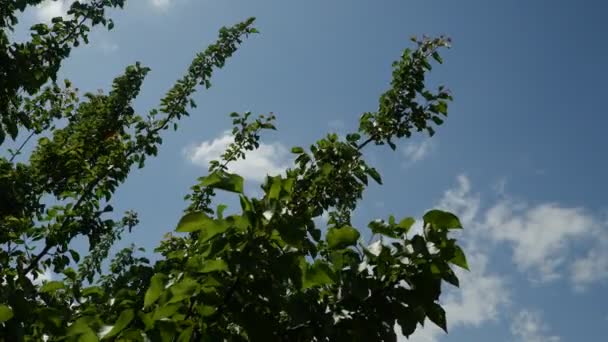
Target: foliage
{"x":265,"y":273}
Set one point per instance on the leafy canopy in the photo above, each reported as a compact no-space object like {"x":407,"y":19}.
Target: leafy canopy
{"x":265,"y":273}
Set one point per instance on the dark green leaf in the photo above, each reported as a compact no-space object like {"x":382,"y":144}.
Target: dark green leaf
{"x":437,"y":315}
{"x":374,"y":174}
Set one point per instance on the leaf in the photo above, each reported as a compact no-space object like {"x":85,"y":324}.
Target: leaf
{"x":192,"y":222}
{"x":442,"y":220}
{"x":275,"y":187}
{"x":405,"y":225}
{"x":93,"y":290}
{"x":88,"y":336}
{"x":208,"y":266}
{"x":165,"y":311}
{"x":5,"y":313}
{"x":79,"y":327}
{"x":224,"y":181}
{"x":437,"y":315}
{"x":437,"y":120}
{"x":317,"y":274}
{"x":297,"y":150}
{"x":374,"y":174}
{"x":52,"y":286}
{"x":157,"y":285}
{"x":379,"y":227}
{"x":183,"y":290}
{"x":185,"y":335}
{"x":199,"y":221}
{"x":338,"y":238}
{"x":459,"y":258}
{"x":121,"y":323}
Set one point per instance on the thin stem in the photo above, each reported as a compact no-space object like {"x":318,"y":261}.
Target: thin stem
{"x":18,"y":151}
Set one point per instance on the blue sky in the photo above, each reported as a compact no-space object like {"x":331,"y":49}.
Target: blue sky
{"x":521,"y":158}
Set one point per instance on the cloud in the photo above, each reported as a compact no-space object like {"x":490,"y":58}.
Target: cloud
{"x":50,"y":9}
{"x":482,"y":294}
{"x":108,"y":47}
{"x":461,"y":201}
{"x":481,"y":298}
{"x":541,"y":236}
{"x":593,"y":266}
{"x":268,"y":159}
{"x":528,"y":326}
{"x":417,"y":151}
{"x":161,"y":4}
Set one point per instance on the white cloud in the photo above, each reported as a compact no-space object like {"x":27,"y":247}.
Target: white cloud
{"x":481,"y":298}
{"x":528,"y":326}
{"x":482,"y":295}
{"x":541,"y":235}
{"x":461,"y":201}
{"x":161,"y":4}
{"x":50,"y":9}
{"x":268,"y":159}
{"x":592,"y":267}
{"x":108,"y":47}
{"x":416,"y":151}
{"x":542,"y":238}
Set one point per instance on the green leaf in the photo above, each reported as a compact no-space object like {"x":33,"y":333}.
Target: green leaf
{"x":166,"y":311}
{"x":437,"y":315}
{"x":93,"y":290}
{"x":374,"y":174}
{"x":183,"y":290}
{"x":224,"y":181}
{"x":442,"y":220}
{"x":192,"y":222}
{"x":405,"y":225}
{"x":275,"y":187}
{"x":437,"y":57}
{"x":88,"y":336}
{"x":121,"y":323}
{"x":437,"y":120}
{"x":199,"y":221}
{"x":297,"y":150}
{"x":52,"y":286}
{"x":199,"y":265}
{"x":379,"y":227}
{"x":338,"y":238}
{"x":157,"y":285}
{"x":80,"y":327}
{"x":459,"y":258}
{"x":317,"y":274}
{"x":5,"y":313}
{"x":185,"y":335}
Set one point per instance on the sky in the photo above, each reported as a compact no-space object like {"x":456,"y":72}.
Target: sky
{"x":521,"y":157}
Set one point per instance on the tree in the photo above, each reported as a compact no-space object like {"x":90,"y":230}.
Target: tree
{"x":266,"y":273}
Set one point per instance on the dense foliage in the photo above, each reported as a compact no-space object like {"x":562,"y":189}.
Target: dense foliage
{"x":265,"y":273}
